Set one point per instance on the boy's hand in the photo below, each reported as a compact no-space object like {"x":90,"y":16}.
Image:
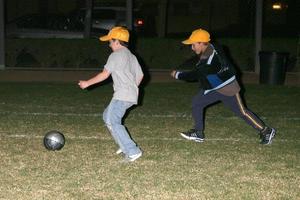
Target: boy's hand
{"x":173,"y":73}
{"x":83,"y":84}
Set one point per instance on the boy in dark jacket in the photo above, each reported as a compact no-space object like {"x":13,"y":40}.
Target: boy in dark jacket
{"x":218,"y":82}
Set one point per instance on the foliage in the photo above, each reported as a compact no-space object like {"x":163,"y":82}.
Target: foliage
{"x":153,"y":53}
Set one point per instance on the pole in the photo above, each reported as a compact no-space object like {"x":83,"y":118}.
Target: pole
{"x":2,"y":36}
{"x":162,"y":18}
{"x":88,"y":18}
{"x":129,"y":8}
{"x":258,"y":33}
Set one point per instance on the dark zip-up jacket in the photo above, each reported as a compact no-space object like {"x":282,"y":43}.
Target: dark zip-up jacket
{"x":214,"y":71}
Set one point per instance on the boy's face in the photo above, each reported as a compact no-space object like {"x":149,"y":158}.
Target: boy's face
{"x":199,"y":47}
{"x":114,"y":44}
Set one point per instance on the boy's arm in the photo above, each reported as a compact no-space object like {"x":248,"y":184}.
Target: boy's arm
{"x":187,"y":76}
{"x":140,"y":80}
{"x":139,"y":75}
{"x":96,"y":79}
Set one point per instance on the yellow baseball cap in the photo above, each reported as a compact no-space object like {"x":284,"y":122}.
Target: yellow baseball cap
{"x":118,"y":32}
{"x":198,"y":35}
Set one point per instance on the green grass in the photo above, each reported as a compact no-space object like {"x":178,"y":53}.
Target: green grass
{"x":230,"y":164}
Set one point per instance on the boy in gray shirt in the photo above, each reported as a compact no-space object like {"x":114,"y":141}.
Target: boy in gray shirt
{"x":126,"y":74}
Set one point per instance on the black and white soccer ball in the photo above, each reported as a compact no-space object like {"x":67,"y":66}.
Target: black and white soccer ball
{"x":54,"y":140}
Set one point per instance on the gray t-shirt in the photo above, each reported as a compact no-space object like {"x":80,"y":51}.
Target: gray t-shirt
{"x":126,"y":73}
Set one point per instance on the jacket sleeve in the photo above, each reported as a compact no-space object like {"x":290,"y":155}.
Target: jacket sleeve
{"x":187,"y":75}
{"x":198,"y":73}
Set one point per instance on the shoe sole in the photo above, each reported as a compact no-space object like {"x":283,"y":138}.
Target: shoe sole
{"x":272,"y":135}
{"x":192,"y":138}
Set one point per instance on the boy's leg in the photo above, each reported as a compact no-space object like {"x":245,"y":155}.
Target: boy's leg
{"x":235,"y":103}
{"x":115,"y":113}
{"x":199,"y":103}
{"x":108,"y":125}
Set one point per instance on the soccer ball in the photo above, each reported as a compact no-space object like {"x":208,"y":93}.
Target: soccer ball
{"x":54,"y":140}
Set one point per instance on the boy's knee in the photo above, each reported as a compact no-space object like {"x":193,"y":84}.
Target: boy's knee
{"x":198,"y":104}
{"x":106,"y":121}
{"x":111,"y":120}
{"x":105,"y":118}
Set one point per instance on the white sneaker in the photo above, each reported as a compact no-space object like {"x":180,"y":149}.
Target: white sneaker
{"x":132,"y":158}
{"x":119,"y":151}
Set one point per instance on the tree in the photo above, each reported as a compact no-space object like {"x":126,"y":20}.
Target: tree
{"x":2,"y":36}
{"x":129,"y":5}
{"x":162,"y":18}
{"x":43,"y":6}
{"x":88,"y":18}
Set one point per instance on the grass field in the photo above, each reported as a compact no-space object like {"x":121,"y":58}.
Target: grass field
{"x":230,"y":164}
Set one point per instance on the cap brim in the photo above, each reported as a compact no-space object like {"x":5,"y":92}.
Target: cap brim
{"x":188,"y":41}
{"x":105,"y":38}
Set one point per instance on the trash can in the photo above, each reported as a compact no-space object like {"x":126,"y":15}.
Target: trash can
{"x":272,"y":67}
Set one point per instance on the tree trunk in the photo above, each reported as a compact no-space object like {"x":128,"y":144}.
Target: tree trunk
{"x":88,"y":18}
{"x":162,"y":18}
{"x":129,"y":6}
{"x":2,"y":36}
{"x":43,"y":7}
{"x":258,"y":33}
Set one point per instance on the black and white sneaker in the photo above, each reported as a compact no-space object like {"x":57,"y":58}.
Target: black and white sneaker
{"x":194,"y":135}
{"x":267,"y":135}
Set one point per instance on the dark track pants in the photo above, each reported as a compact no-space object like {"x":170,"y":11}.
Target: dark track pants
{"x":200,"y":101}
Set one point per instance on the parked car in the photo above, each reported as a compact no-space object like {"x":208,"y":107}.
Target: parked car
{"x":42,"y":26}
{"x":39,"y":21}
{"x":104,"y":18}
{"x":72,"y":25}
